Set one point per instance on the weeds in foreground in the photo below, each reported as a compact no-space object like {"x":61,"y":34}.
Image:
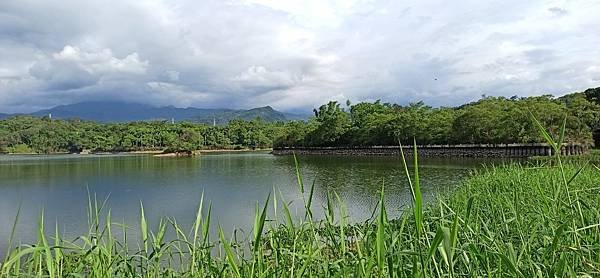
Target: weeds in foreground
{"x":504,"y":221}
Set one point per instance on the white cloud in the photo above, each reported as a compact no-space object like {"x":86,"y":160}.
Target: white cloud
{"x":292,"y":54}
{"x":102,"y":61}
{"x":259,"y":76}
{"x":172,"y":75}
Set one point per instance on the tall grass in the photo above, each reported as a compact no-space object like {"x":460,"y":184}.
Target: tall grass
{"x":504,"y":221}
{"x":593,"y":157}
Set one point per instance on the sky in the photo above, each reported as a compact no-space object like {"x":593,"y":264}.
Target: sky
{"x":292,"y":55}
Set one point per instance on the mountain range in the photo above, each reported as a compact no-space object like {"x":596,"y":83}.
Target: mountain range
{"x":108,"y":111}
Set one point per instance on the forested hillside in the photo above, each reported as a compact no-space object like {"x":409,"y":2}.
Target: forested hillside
{"x":120,"y":112}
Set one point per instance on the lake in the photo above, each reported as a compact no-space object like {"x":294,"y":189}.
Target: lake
{"x":169,"y":186}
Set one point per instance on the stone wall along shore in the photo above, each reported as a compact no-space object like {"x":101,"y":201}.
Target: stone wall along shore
{"x":467,"y":150}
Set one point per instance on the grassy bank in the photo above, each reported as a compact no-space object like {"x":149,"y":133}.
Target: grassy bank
{"x":505,"y":221}
{"x":593,"y":157}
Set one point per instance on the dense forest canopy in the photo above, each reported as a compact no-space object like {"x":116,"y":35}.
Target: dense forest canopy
{"x":489,"y":120}
{"x":44,"y":135}
{"x":494,"y":120}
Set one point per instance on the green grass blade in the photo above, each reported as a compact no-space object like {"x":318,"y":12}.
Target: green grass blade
{"x":206,"y":226}
{"x":309,"y":214}
{"x":380,"y":235}
{"x":406,"y":172}
{"x":298,"y":176}
{"x":12,"y":232}
{"x":286,"y":212}
{"x":198,"y":220}
{"x":509,"y":264}
{"x":143,"y":228}
{"x":275,"y":215}
{"x":544,"y":133}
{"x":260,"y":224}
{"x":229,"y":254}
{"x":578,"y":172}
{"x":469,"y":208}
{"x":46,"y":248}
{"x":330,"y":211}
{"x":563,"y":127}
{"x":437,"y":239}
{"x":342,"y":224}
{"x":453,"y":242}
{"x":417,"y":188}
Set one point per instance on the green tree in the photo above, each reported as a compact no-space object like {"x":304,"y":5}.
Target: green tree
{"x":332,"y":123}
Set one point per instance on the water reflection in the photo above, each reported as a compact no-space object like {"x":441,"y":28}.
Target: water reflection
{"x":233,"y":183}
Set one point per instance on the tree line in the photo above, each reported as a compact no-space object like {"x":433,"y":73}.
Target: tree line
{"x":492,"y":120}
{"x":26,"y":134}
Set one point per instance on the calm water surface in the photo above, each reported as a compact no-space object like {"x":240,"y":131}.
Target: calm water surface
{"x":166,"y":186}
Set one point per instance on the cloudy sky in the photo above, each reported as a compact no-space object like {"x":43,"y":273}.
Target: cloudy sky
{"x":292,"y":55}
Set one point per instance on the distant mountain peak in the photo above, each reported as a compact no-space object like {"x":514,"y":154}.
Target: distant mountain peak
{"x":266,"y":108}
{"x":115,"y":111}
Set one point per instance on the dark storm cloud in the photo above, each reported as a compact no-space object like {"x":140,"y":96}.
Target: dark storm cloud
{"x":292,"y":55}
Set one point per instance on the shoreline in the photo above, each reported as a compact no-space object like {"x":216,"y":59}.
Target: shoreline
{"x":210,"y":151}
{"x":149,"y":152}
{"x":462,"y":150}
{"x":234,"y":150}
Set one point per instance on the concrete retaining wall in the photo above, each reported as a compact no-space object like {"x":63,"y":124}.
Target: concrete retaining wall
{"x":471,"y":150}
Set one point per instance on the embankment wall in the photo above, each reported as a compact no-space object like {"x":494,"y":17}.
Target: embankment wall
{"x":470,"y":150}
